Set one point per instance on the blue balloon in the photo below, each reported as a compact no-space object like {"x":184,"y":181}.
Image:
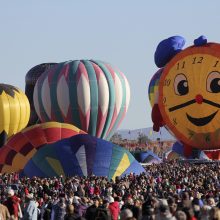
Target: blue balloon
{"x":147,"y":156}
{"x":82,"y":155}
{"x":167,"y":49}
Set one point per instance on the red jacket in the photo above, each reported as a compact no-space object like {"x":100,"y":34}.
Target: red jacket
{"x":12,"y":205}
{"x":114,"y":209}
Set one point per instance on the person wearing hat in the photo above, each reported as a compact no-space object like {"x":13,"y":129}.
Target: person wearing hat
{"x":12,"y":203}
{"x":31,"y":210}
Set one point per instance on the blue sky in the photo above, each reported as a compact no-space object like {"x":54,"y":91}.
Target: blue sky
{"x":122,"y":32}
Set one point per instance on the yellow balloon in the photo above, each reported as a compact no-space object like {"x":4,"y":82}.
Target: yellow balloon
{"x":14,"y":111}
{"x":189,"y":96}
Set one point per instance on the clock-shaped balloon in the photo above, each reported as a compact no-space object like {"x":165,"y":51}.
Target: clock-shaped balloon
{"x":189,"y":92}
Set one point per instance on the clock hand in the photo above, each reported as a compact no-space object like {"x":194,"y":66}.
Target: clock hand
{"x":182,"y":105}
{"x":191,"y":102}
{"x":211,"y":103}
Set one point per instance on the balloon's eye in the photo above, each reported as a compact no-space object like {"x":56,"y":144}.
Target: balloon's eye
{"x":181,"y":85}
{"x":213,"y":82}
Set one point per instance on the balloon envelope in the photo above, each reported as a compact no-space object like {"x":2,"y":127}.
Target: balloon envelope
{"x":23,"y":145}
{"x":14,"y":111}
{"x":90,"y":94}
{"x":189,"y":96}
{"x":82,"y":155}
{"x":31,"y":78}
{"x":153,"y":87}
{"x":148,"y":156}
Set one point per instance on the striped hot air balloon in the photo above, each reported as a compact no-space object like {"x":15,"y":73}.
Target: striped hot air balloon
{"x":90,"y":94}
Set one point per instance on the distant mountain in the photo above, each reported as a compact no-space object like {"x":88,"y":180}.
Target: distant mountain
{"x":164,"y":135}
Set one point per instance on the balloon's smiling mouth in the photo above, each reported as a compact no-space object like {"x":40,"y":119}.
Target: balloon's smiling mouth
{"x":201,"y":121}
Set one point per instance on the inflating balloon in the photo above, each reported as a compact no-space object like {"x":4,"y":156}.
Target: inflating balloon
{"x":90,"y":94}
{"x":31,"y":78}
{"x":82,"y":155}
{"x":22,"y":146}
{"x":14,"y":111}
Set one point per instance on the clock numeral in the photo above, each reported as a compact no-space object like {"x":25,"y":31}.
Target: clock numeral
{"x":167,"y":82}
{"x":216,"y":63}
{"x":164,"y":100}
{"x":180,"y":66}
{"x":197,"y":60}
{"x":174,"y":121}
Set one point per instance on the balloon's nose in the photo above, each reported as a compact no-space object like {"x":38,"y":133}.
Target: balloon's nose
{"x":199,"y":99}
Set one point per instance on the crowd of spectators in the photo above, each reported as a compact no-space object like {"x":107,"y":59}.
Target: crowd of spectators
{"x":170,"y":190}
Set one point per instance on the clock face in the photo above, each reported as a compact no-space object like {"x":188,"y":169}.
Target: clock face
{"x":189,"y":97}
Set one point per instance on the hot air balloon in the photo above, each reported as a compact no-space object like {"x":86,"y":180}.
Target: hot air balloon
{"x":153,"y":92}
{"x":14,"y":111}
{"x":90,"y":94}
{"x":23,"y":145}
{"x":82,"y":155}
{"x":31,"y":78}
{"x":189,"y":93}
{"x":149,"y":157}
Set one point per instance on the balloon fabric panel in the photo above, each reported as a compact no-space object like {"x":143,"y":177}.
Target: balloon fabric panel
{"x":103,"y":158}
{"x":111,"y":96}
{"x":117,"y":155}
{"x":133,"y":166}
{"x":94,"y":96}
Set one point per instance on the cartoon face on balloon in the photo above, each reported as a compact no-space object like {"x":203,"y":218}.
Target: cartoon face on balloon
{"x":189,"y":98}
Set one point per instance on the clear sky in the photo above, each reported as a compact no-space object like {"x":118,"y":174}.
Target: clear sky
{"x":122,"y":32}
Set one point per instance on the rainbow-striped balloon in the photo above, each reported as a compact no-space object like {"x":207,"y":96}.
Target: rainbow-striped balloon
{"x":89,"y":94}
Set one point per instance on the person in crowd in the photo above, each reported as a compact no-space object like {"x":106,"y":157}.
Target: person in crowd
{"x":125,"y":214}
{"x":4,"y":213}
{"x":31,"y":210}
{"x":82,"y":207}
{"x":12,"y":203}
{"x":103,"y":212}
{"x":92,"y":210}
{"x":70,"y":214}
{"x":180,"y":215}
{"x":114,"y":208}
{"x":59,"y":209}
